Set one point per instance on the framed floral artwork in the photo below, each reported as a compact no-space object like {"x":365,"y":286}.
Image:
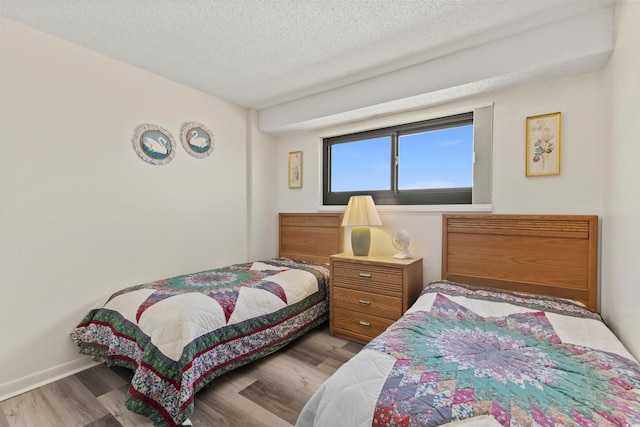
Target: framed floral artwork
{"x":295,"y":169}
{"x":197,"y":139}
{"x":543,"y":144}
{"x":154,"y":144}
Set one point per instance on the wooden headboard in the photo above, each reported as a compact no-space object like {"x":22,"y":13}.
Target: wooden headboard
{"x":310,"y":236}
{"x":552,"y":255}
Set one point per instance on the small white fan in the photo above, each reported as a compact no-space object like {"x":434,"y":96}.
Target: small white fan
{"x":400,"y":240}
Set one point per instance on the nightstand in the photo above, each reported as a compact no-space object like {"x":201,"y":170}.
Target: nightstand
{"x":369,"y":293}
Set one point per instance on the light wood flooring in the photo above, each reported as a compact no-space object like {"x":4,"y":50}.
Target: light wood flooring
{"x":268,"y":392}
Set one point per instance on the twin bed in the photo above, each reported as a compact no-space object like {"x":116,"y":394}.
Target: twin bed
{"x":519,"y":343}
{"x":178,"y":334}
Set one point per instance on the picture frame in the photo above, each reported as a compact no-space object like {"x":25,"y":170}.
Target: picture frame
{"x":197,"y":140}
{"x":295,"y":169}
{"x":543,"y":144}
{"x":154,"y":144}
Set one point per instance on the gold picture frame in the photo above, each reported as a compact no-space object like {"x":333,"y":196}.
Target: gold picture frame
{"x":543,"y":144}
{"x":295,"y":169}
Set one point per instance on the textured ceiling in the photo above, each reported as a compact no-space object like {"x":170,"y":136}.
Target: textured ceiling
{"x":308,"y":63}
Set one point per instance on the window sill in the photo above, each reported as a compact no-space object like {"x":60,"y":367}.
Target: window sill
{"x":418,"y":208}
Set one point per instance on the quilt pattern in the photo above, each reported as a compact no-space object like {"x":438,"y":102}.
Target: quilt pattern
{"x":452,"y":364}
{"x":222,"y":284}
{"x":163,"y":388}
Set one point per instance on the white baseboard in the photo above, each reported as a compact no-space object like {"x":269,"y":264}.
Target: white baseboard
{"x":38,"y":379}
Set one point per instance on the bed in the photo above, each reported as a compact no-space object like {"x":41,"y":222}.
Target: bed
{"x":518,"y":343}
{"x":180,"y":333}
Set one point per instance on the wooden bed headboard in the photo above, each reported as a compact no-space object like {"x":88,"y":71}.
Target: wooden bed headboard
{"x":554,"y":255}
{"x":310,"y":236}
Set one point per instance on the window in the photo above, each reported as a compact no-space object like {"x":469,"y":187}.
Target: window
{"x":435,"y":162}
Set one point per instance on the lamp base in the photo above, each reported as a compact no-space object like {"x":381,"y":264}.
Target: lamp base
{"x":360,"y":240}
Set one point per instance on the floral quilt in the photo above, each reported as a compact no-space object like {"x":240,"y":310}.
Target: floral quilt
{"x":453,"y":364}
{"x":180,"y":333}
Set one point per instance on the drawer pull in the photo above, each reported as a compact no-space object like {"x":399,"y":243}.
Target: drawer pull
{"x":366,"y":275}
{"x":365,"y":324}
{"x":364,"y":302}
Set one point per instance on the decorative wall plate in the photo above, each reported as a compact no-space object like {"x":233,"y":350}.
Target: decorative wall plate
{"x":154,"y":144}
{"x":197,"y":139}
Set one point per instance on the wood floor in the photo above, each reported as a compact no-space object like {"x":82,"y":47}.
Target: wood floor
{"x":269,"y":392}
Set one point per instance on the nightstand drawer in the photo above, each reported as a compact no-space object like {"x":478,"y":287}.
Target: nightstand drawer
{"x":367,"y":302}
{"x":382,"y":278}
{"x":360,"y":323}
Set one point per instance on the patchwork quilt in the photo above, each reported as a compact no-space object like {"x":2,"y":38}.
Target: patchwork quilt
{"x":180,"y":333}
{"x":486,"y":357}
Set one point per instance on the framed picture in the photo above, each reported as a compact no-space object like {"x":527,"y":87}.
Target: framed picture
{"x":154,"y":144}
{"x":295,"y":169}
{"x":197,"y":139}
{"x":543,"y":144}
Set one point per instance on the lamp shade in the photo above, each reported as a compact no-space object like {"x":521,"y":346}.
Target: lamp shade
{"x":361,"y":211}
{"x":360,"y":214}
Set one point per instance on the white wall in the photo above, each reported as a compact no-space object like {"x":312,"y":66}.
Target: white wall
{"x":577,"y":190}
{"x":620,"y":287}
{"x":80,"y":214}
{"x":262,"y":175}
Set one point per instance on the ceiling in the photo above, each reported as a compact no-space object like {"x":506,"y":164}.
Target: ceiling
{"x":313,"y":63}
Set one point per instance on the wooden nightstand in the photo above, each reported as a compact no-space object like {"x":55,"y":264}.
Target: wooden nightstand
{"x":369,"y":293}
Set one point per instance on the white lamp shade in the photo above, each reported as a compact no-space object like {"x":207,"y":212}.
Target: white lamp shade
{"x":361,"y":211}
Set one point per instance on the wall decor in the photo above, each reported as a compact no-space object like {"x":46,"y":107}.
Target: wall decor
{"x":154,"y":144}
{"x":197,"y":139}
{"x":543,"y":144}
{"x":295,"y":169}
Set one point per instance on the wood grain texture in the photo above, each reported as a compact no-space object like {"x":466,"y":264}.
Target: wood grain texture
{"x":364,"y":302}
{"x":310,"y":236}
{"x":369,"y":293}
{"x":552,"y":255}
{"x":268,"y":392}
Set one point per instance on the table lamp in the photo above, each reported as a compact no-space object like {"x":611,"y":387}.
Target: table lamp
{"x":360,"y":214}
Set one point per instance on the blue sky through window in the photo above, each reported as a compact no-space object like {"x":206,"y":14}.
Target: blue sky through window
{"x":361,"y":165}
{"x":434,"y":159}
